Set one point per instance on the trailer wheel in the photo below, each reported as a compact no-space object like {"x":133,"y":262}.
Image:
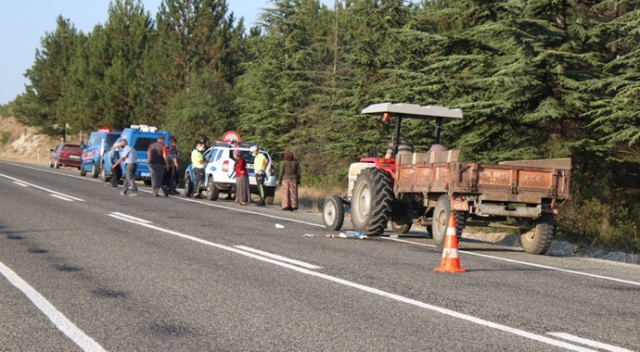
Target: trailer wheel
{"x":538,"y":239}
{"x":400,"y":228}
{"x":441,"y":214}
{"x":402,"y":215}
{"x":333,"y":213}
{"x":371,"y":202}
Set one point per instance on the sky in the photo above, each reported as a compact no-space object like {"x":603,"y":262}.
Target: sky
{"x":24,"y":23}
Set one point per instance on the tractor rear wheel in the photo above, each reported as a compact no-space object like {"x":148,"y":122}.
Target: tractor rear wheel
{"x":333,"y":213}
{"x":440,"y":220}
{"x":538,"y":239}
{"x":371,"y":201}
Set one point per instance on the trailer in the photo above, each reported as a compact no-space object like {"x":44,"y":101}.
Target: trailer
{"x":427,"y":188}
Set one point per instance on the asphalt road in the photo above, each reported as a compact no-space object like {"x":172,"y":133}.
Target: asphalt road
{"x":84,"y":268}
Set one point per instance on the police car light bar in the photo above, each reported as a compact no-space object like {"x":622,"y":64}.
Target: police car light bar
{"x":144,"y":128}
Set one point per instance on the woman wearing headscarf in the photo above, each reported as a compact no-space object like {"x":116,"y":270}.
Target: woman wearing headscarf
{"x":243,"y":195}
{"x":289,"y":178}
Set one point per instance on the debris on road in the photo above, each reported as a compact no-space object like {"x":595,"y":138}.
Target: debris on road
{"x":278,"y":226}
{"x":349,"y":234}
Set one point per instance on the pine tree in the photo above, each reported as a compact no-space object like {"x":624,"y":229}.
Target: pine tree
{"x":43,"y":105}
{"x":127,"y":33}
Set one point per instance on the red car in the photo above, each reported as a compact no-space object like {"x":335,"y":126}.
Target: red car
{"x":66,"y":154}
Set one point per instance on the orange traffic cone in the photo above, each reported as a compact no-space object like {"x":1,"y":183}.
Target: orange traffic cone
{"x":450,"y":262}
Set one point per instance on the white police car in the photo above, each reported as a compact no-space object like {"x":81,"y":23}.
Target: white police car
{"x":220,"y":172}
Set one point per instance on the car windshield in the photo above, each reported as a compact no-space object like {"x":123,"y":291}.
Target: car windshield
{"x":94,"y":139}
{"x":111,"y":138}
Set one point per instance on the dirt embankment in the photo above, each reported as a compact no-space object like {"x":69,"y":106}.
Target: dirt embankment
{"x":22,"y":143}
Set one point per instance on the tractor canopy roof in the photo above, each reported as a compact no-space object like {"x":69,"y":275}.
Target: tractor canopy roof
{"x":412,"y":110}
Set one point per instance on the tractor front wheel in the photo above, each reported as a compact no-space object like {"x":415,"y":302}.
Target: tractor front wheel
{"x":333,"y":213}
{"x":372,"y":201}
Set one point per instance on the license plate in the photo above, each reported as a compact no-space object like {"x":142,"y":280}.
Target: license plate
{"x":74,"y":157}
{"x":145,"y":174}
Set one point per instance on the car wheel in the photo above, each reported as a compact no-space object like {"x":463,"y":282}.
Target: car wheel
{"x":95,"y":171}
{"x":103,"y":175}
{"x":212,"y":191}
{"x":269,"y":195}
{"x":188,"y":186}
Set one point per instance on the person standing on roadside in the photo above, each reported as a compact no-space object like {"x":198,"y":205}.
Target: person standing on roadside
{"x":171,"y":177}
{"x":197,"y":160}
{"x":259,"y":168}
{"x":289,"y":178}
{"x":116,"y":173}
{"x":157,"y":159}
{"x":129,"y":157}
{"x":243,"y":194}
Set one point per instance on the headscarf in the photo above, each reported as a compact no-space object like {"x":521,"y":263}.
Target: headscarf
{"x":437,"y":148}
{"x":288,"y":155}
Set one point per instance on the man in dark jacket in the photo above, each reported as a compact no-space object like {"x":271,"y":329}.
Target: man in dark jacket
{"x":157,"y":160}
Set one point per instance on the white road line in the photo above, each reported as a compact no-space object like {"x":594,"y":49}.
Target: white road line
{"x":61,"y":322}
{"x":50,"y":172}
{"x":131,"y":217}
{"x":588,"y":342}
{"x":527,"y":263}
{"x":20,"y":184}
{"x":61,"y":197}
{"x":393,"y":239}
{"x":207,"y":203}
{"x":42,"y":188}
{"x":279,"y":257}
{"x":444,"y":311}
{"x":250,"y":212}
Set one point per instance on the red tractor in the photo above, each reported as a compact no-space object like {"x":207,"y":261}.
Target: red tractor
{"x":428,"y":187}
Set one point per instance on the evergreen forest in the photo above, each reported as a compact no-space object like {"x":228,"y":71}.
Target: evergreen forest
{"x":534,"y":78}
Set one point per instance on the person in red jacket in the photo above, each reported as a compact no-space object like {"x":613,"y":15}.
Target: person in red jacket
{"x":243,"y":194}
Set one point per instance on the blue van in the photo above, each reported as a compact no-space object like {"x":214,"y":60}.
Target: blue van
{"x":140,"y":137}
{"x":92,"y":156}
